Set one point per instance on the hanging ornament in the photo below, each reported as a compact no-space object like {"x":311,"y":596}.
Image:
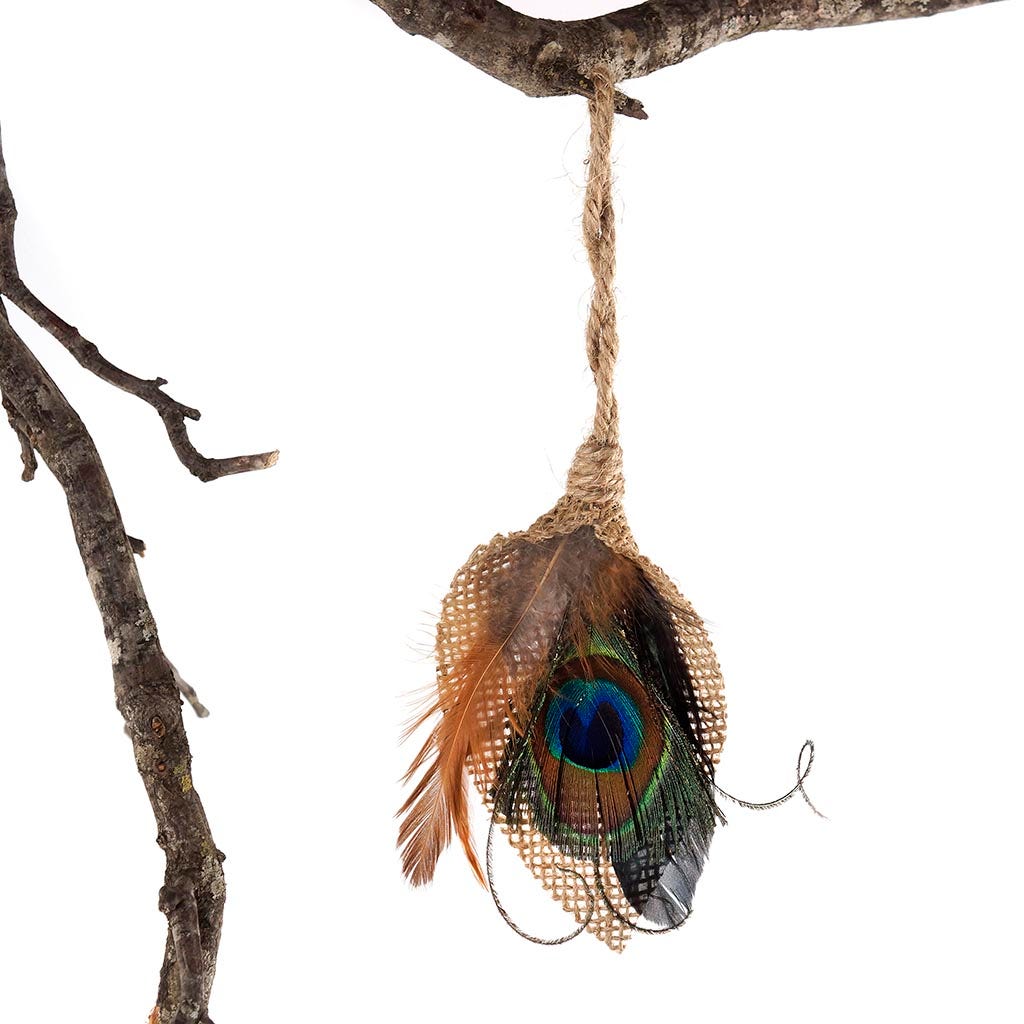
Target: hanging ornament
{"x":575,"y":684}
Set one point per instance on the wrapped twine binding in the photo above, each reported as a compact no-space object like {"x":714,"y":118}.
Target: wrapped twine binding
{"x":592,"y":502}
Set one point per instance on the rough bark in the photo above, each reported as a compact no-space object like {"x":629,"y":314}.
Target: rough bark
{"x":541,"y":57}
{"x":146,"y":685}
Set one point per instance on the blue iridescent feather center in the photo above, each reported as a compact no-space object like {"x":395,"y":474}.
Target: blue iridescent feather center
{"x":593,"y":724}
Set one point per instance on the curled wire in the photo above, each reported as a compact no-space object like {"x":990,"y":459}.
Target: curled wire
{"x":802,"y":772}
{"x":507,"y":918}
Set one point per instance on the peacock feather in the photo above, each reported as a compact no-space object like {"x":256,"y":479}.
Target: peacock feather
{"x":609,"y":768}
{"x":580,"y":691}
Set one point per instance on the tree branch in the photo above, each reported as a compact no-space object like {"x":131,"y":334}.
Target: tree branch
{"x":541,"y":57}
{"x":146,"y":684}
{"x":173,"y":413}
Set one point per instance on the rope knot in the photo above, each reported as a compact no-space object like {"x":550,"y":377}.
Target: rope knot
{"x":595,"y":477}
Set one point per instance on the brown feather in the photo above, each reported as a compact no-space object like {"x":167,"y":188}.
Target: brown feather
{"x":492,"y":679}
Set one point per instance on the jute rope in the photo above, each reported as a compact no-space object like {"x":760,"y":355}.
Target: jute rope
{"x":501,"y":575}
{"x":599,"y":236}
{"x":595,"y":478}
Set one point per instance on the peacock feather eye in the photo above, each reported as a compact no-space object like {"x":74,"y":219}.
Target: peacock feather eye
{"x":593,"y":724}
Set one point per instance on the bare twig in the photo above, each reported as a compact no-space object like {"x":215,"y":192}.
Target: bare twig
{"x":146,"y":684}
{"x":178,"y":902}
{"x":189,"y":694}
{"x":541,"y":57}
{"x":171,"y":412}
{"x":28,"y":455}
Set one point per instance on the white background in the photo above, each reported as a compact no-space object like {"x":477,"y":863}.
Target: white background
{"x":343,"y":242}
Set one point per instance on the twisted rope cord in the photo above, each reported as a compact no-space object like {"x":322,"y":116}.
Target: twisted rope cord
{"x":599,"y":237}
{"x":596,"y":474}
